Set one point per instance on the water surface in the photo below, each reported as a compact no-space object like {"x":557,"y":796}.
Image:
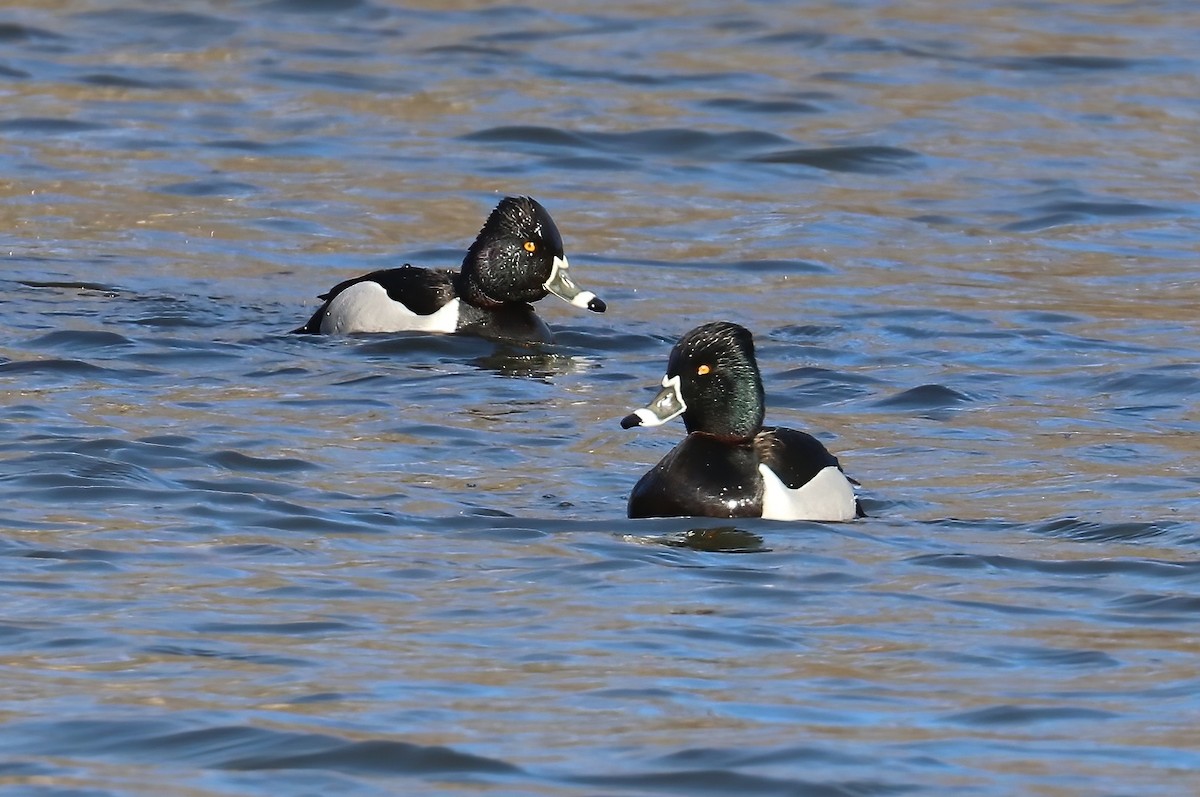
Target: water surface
{"x":240,"y":562}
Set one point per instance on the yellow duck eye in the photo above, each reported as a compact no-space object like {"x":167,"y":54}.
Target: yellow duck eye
{"x":703,"y":370}
{"x":530,"y":246}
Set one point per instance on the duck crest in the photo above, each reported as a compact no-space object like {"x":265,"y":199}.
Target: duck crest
{"x":512,"y":257}
{"x":721,"y":383}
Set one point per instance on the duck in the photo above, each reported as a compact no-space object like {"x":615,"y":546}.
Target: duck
{"x":730,"y":465}
{"x":516,"y":259}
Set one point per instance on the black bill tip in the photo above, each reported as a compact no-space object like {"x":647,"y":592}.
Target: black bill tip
{"x":597,"y":305}
{"x":630,"y":421}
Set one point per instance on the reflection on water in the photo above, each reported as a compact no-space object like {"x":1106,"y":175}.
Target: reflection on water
{"x":963,"y":235}
{"x":721,"y":539}
{"x":534,"y":365}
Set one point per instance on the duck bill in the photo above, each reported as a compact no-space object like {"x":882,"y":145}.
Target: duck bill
{"x":561,"y":286}
{"x":667,"y":405}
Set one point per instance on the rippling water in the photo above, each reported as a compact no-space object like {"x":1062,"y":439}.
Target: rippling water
{"x":236,"y":561}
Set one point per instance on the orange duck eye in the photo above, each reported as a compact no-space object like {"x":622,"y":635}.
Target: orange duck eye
{"x":530,"y":246}
{"x":703,"y":370}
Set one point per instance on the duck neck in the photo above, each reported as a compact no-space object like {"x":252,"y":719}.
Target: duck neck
{"x":470,"y":291}
{"x":734,"y":416}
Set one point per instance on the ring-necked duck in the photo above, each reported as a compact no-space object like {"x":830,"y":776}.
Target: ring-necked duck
{"x":730,"y":465}
{"x":517,"y":258}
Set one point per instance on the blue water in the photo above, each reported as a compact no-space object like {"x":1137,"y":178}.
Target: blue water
{"x":240,"y":562}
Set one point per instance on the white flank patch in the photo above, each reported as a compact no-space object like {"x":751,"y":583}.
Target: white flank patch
{"x":826,"y":496}
{"x":366,"y":307}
